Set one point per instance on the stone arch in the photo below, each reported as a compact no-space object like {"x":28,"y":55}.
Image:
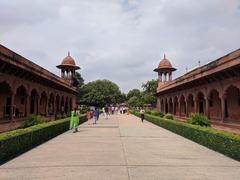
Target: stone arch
{"x":70,"y":103}
{"x":62,"y":105}
{"x":66,"y":105}
{"x":5,"y":99}
{"x":171,"y":105}
{"x":34,"y":97}
{"x":176,"y":106}
{"x":232,"y":104}
{"x":51,"y":104}
{"x":43,"y":103}
{"x":182,"y":106}
{"x":166,"y":105}
{"x":190,"y":104}
{"x":214,"y":105}
{"x":21,"y":101}
{"x":57,"y":103}
{"x":162,"y":105}
{"x":201,"y":103}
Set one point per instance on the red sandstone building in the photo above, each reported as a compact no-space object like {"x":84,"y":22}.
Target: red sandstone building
{"x":212,"y":89}
{"x":26,"y":88}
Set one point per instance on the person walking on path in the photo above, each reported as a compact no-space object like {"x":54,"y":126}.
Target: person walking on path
{"x":89,"y":115}
{"x":95,"y":114}
{"x":106,"y":112}
{"x":74,"y":121}
{"x":98,"y":113}
{"x":142,"y":114}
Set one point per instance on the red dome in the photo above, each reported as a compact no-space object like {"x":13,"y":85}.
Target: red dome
{"x":68,"y":60}
{"x":164,"y":64}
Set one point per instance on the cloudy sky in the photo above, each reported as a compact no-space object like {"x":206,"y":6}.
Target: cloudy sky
{"x":120,"y":40}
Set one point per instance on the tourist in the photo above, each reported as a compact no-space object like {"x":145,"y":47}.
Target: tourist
{"x":95,"y":114}
{"x":142,"y":114}
{"x":98,"y":113}
{"x":89,"y":115}
{"x":74,"y":121}
{"x":106,"y":112}
{"x":109,"y":110}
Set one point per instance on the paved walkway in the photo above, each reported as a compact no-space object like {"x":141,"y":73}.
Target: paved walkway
{"x":121,"y":148}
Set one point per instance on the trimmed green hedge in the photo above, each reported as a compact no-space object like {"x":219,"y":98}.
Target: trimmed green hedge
{"x":224,"y":142}
{"x":15,"y":142}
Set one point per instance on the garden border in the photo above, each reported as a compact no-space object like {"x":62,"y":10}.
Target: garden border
{"x":223,"y":142}
{"x":16,"y":142}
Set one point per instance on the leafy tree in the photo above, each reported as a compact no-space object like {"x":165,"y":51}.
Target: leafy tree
{"x":135,"y":101}
{"x":133,"y":92}
{"x":150,"y":86}
{"x":99,"y":93}
{"x":149,"y":98}
{"x":123,"y":97}
{"x":78,"y":81}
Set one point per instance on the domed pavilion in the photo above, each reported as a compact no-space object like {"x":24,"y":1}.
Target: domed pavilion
{"x":68,"y":67}
{"x":165,"y":70}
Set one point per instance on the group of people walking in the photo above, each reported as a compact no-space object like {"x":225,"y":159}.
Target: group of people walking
{"x":94,"y":114}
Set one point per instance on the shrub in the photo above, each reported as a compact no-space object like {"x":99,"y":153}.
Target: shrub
{"x":33,"y":119}
{"x":199,"y":119}
{"x":155,"y":112}
{"x":224,"y":142}
{"x":15,"y":142}
{"x":148,"y":111}
{"x":161,"y":114}
{"x":168,"y":116}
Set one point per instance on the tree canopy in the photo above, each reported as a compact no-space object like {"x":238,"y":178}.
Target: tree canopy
{"x":136,"y":97}
{"x":99,"y":93}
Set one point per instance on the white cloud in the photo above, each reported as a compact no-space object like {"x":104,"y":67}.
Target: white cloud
{"x":122,"y":40}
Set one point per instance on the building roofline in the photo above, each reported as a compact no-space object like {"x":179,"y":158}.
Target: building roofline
{"x":15,"y":59}
{"x":203,"y":71}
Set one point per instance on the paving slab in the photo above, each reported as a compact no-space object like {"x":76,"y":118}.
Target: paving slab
{"x":120,"y":148}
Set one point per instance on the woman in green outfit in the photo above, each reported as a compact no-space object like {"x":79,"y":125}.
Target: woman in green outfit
{"x":74,"y":121}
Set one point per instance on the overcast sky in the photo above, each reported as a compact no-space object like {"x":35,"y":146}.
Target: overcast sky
{"x":120,"y":40}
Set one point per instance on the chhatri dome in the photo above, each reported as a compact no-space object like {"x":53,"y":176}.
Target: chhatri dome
{"x":68,"y":68}
{"x":164,"y":64}
{"x":164,"y":71}
{"x":68,"y":61}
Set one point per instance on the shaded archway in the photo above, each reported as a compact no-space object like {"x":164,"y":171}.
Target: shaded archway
{"x":34,"y":102}
{"x":166,"y":106}
{"x":57,"y":104}
{"x":171,"y":105}
{"x":66,"y":105}
{"x":162,"y":106}
{"x":43,"y":104}
{"x":190,"y":104}
{"x":5,"y":100}
{"x":182,"y":106}
{"x":176,"y":109}
{"x":214,"y":105}
{"x":70,"y":104}
{"x":232,"y":104}
{"x":201,"y":104}
{"x":21,"y":102}
{"x":51,"y":104}
{"x":62,"y":105}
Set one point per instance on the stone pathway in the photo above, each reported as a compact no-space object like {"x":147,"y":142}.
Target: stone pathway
{"x":121,"y":148}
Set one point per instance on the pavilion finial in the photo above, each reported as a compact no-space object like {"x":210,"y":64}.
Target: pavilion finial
{"x":164,"y":56}
{"x":68,"y":53}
